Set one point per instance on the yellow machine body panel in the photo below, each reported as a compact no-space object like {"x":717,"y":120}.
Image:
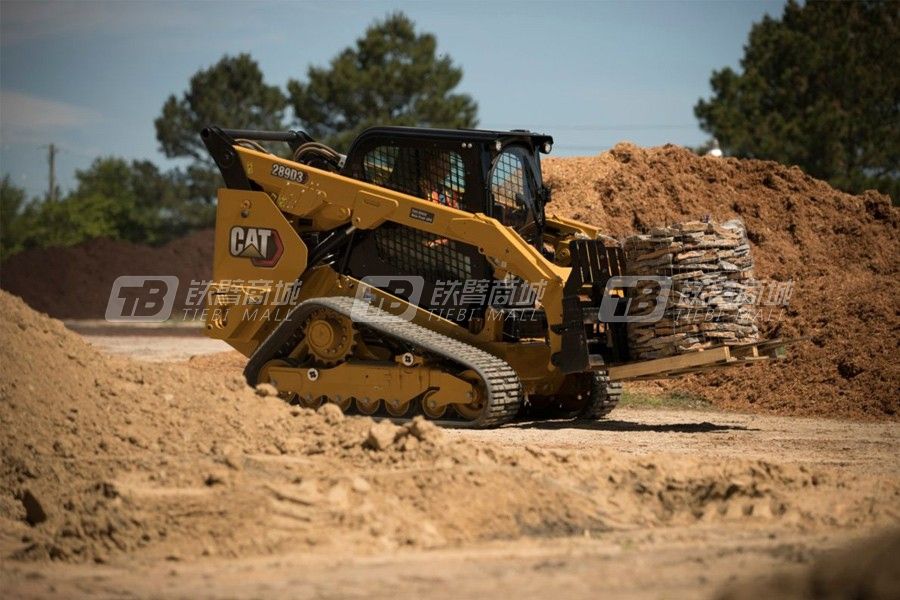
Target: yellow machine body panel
{"x":258,"y":257}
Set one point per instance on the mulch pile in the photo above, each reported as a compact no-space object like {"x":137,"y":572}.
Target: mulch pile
{"x":841,"y":253}
{"x":75,"y":283}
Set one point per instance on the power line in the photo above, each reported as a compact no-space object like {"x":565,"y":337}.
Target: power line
{"x":581,"y":147}
{"x":598,"y":127}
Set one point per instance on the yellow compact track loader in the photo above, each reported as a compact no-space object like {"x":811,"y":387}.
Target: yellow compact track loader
{"x":418,"y":274}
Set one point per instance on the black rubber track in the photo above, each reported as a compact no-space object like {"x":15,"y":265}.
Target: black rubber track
{"x":604,"y":397}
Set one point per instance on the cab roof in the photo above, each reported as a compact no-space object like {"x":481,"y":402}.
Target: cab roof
{"x":535,"y":140}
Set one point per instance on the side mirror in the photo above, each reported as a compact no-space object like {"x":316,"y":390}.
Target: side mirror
{"x":543,"y":200}
{"x":545,"y":195}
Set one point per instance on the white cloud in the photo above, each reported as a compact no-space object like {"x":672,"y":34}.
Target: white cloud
{"x":26,"y":118}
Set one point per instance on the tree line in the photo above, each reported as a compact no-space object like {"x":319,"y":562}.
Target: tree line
{"x":818,"y":87}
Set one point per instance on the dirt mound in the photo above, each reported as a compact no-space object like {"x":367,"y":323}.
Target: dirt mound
{"x":101,"y":457}
{"x":841,"y":251}
{"x":74,"y":283}
{"x":865,"y":569}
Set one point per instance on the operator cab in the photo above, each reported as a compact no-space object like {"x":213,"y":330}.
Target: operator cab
{"x":491,"y":172}
{"x":497,"y":173}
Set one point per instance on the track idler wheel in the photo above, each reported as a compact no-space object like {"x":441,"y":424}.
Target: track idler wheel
{"x":342,"y":402}
{"x":312,"y":402}
{"x":368,"y":406}
{"x":471,"y":410}
{"x":265,"y":377}
{"x":397,"y":408}
{"x":432,"y":409}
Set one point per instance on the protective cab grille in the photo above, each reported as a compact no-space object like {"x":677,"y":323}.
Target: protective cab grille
{"x":429,"y":173}
{"x":415,"y":252}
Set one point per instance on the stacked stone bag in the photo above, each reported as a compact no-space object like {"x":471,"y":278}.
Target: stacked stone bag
{"x":713,"y":290}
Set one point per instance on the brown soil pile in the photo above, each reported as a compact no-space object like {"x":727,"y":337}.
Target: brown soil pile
{"x":74,"y":283}
{"x":865,"y":569}
{"x":103,"y":457}
{"x":841,"y":251}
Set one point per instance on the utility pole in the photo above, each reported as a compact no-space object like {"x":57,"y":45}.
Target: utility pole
{"x":51,"y":159}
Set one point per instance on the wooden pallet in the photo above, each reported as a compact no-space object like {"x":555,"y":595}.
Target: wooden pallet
{"x":700,"y":361}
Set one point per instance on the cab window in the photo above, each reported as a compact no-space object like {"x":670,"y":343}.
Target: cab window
{"x":509,"y":189}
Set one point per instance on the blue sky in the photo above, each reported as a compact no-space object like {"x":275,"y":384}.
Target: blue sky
{"x":92,"y":76}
